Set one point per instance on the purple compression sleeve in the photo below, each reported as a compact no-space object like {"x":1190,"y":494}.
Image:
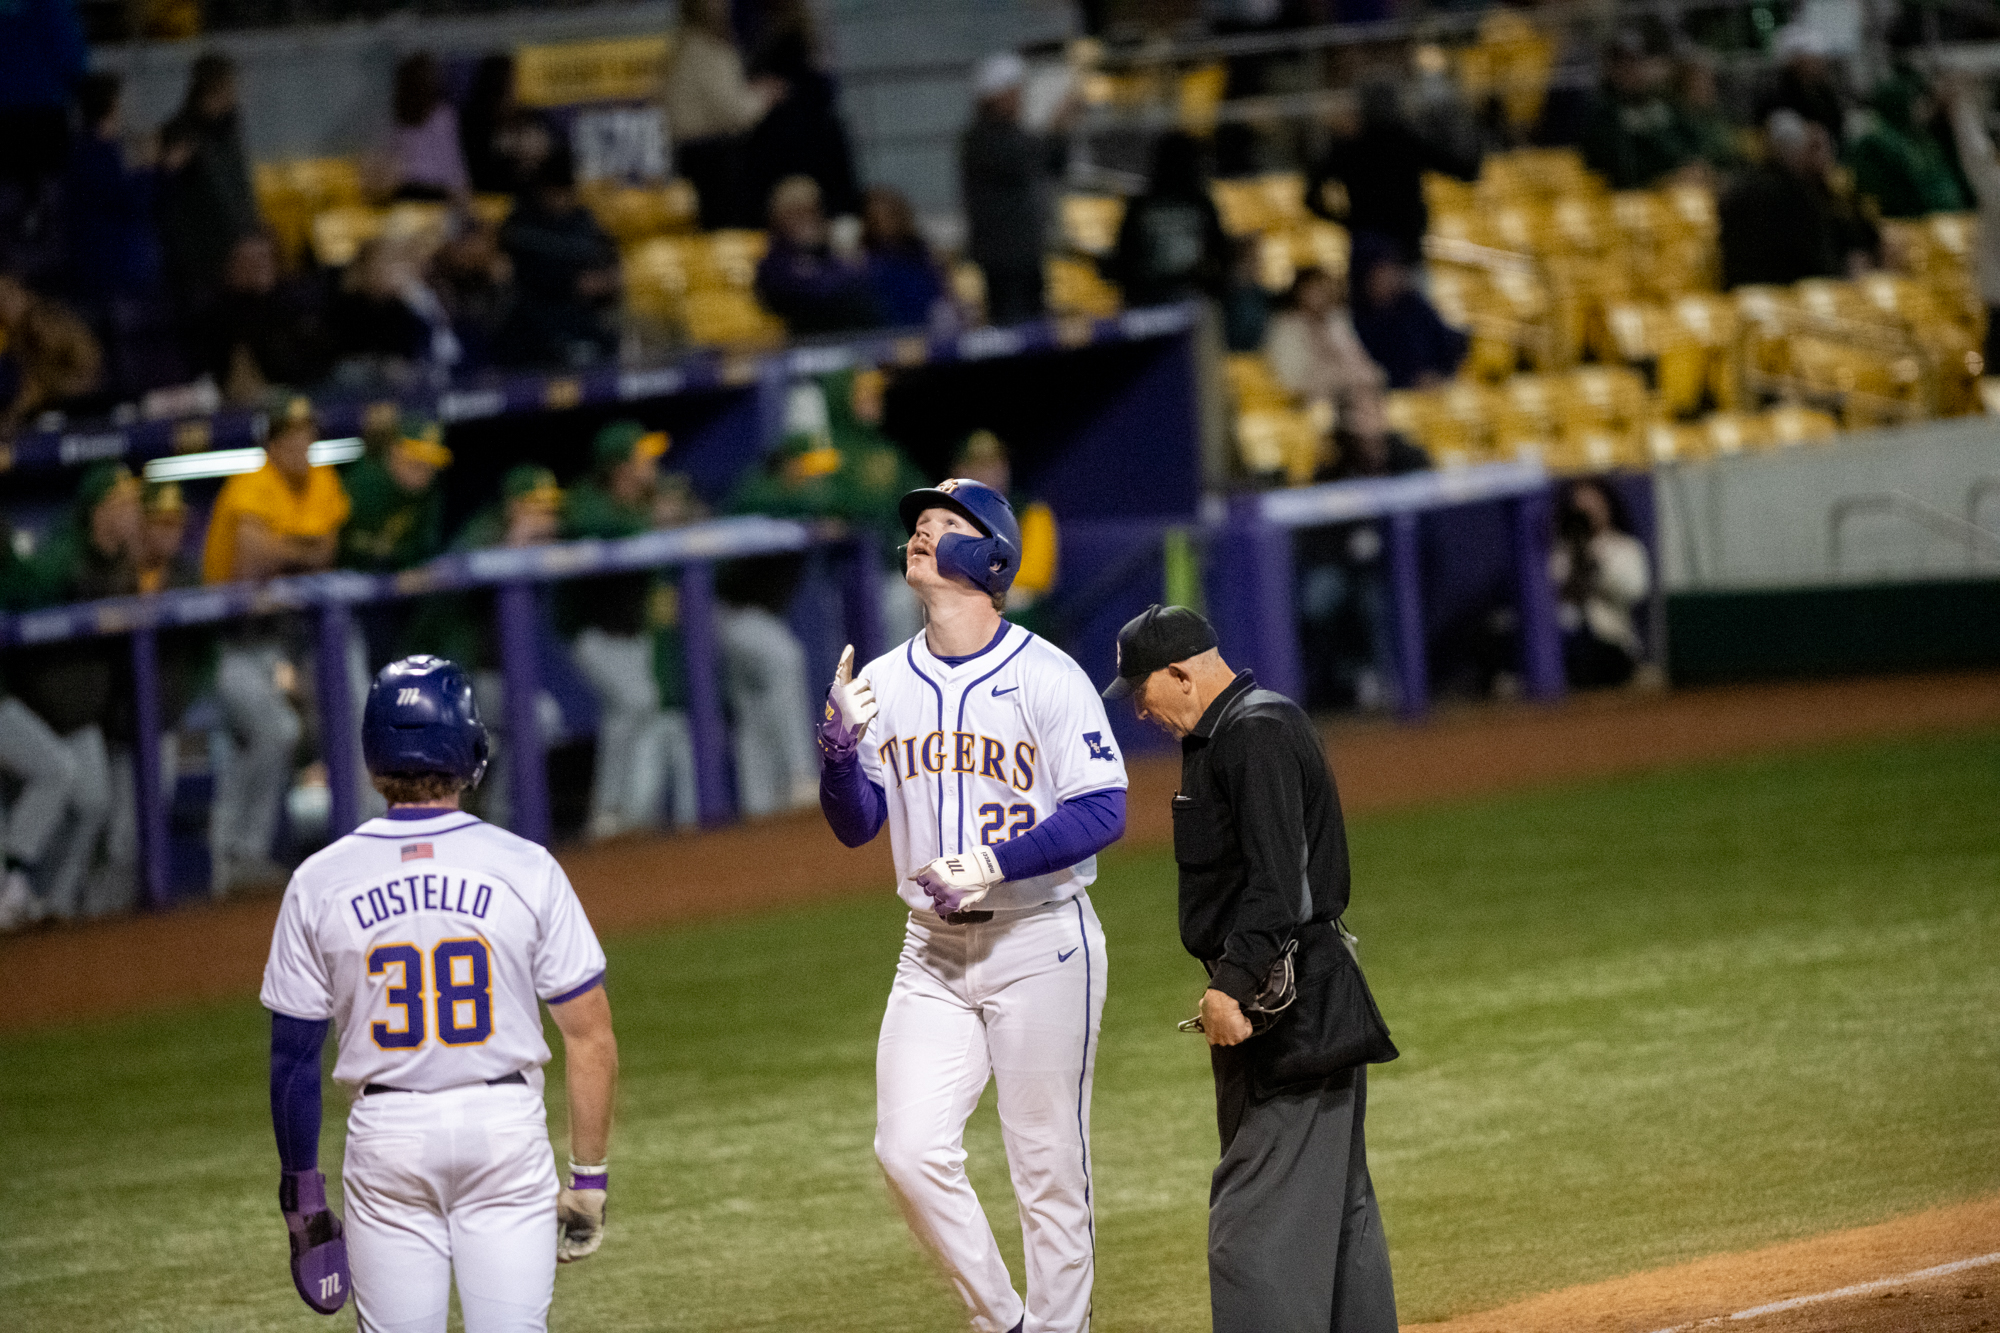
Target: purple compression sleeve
{"x":854,"y":807}
{"x":1080,"y":827}
{"x":295,"y":1108}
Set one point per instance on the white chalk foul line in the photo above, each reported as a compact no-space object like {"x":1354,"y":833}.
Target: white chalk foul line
{"x":1758,"y":1311}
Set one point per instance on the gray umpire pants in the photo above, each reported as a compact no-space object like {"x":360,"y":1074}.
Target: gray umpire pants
{"x":1295,"y":1241}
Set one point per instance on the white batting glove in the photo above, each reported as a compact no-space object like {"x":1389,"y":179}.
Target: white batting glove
{"x":955,"y":883}
{"x":581,"y":1215}
{"x":850,"y":707}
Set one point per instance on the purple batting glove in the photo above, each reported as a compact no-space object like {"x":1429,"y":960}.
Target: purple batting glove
{"x":850,"y":706}
{"x":319,"y":1253}
{"x":837,"y":740}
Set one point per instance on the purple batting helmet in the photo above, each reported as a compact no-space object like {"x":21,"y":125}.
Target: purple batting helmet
{"x":988,"y":561}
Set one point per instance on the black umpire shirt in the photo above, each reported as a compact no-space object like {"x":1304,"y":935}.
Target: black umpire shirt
{"x":1257,"y":834}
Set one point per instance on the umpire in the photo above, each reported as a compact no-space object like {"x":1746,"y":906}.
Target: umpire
{"x":1295,"y":1241}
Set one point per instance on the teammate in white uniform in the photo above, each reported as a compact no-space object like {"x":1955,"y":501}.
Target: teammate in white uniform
{"x":986,"y":751}
{"x":430,"y":939}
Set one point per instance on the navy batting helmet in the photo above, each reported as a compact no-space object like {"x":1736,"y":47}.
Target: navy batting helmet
{"x":420,"y":719}
{"x":988,"y":561}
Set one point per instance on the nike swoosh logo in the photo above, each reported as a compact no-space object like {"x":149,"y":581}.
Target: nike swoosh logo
{"x":1062,"y":957}
{"x":997,"y":691}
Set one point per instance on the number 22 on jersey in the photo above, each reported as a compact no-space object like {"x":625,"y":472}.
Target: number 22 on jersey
{"x":461,"y":989}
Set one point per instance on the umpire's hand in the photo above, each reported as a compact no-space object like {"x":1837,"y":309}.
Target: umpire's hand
{"x":1222,"y":1020}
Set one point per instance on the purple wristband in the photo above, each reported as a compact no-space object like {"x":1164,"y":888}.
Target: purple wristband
{"x":596,"y":1182}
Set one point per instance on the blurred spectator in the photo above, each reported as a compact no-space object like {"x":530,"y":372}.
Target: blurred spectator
{"x":1782,"y":221}
{"x":763,"y":662}
{"x":1698,"y":103}
{"x":48,"y":359}
{"x":473,"y":277}
{"x":33,"y":757}
{"x":1343,"y":601}
{"x":284,"y":518}
{"x":72,"y":686}
{"x":424,"y":159}
{"x":710,"y":106}
{"x":1809,"y":80}
{"x":464,"y":626}
{"x":42,"y":58}
{"x":1312,"y":347}
{"x":205,"y":203}
{"x":1371,"y":177}
{"x":1634,"y":135}
{"x":163,"y":557}
{"x":114,"y":252}
{"x":802,"y":134}
{"x":1896,"y":160}
{"x":185,"y":662}
{"x":909,"y":287}
{"x":1006,"y":175}
{"x":386,"y":325}
{"x":1246,"y":305}
{"x":801,"y":278}
{"x":1982,"y":170}
{"x":396,"y":512}
{"x":1601,"y":573}
{"x":489,"y":106}
{"x":1396,"y":323}
{"x":259,"y":330}
{"x":1171,"y":245}
{"x":638,"y":741}
{"x":566,"y":276}
{"x":984,"y":457}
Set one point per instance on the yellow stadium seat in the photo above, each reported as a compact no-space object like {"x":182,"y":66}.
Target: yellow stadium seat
{"x":1076,"y":288}
{"x":1090,"y":222}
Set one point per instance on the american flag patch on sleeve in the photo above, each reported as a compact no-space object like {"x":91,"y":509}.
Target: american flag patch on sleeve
{"x":417,"y":851}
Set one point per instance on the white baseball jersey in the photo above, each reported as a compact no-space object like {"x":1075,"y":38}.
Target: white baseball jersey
{"x":429,"y":943}
{"x":982,"y":752}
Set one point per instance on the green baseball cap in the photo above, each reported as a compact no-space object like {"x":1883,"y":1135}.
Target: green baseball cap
{"x":100,"y":481}
{"x":626,"y":439}
{"x":528,"y":481}
{"x":422,"y":438}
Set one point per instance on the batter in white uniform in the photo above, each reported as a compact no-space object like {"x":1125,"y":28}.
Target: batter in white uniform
{"x":986,"y":751}
{"x":430,"y":940}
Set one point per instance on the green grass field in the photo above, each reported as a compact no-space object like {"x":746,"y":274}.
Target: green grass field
{"x":1642,"y":1020}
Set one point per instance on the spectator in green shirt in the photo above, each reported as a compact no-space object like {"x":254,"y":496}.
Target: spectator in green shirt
{"x":397,"y":519}
{"x":614,"y":620}
{"x":465,"y":626}
{"x":1897,"y":161}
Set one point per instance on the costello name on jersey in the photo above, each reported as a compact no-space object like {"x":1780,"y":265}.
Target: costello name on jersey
{"x":420,"y":893}
{"x":962,"y":752}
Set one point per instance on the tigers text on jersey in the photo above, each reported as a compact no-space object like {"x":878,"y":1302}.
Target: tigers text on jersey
{"x":982,"y":752}
{"x":429,"y":942}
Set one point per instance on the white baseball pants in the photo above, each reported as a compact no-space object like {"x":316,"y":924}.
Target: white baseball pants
{"x":451,"y":1182}
{"x":1016,"y":999}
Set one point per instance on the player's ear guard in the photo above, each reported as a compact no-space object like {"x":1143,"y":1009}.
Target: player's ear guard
{"x":319,"y":1248}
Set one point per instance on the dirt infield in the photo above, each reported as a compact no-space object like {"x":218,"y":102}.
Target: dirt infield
{"x":1727,"y":1290}
{"x":56,"y":976}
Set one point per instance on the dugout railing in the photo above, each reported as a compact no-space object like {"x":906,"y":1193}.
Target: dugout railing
{"x":330,"y":601}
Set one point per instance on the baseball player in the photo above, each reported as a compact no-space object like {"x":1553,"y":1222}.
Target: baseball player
{"x":986,"y":751}
{"x":429,"y":939}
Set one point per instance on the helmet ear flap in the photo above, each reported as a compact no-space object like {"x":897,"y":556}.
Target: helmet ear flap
{"x":482,"y":752}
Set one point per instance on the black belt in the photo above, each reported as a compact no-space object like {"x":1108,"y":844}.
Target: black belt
{"x":369,"y":1090}
{"x":967,"y":918}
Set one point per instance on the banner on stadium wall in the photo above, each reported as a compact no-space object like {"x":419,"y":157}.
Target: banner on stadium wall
{"x":605,"y":94}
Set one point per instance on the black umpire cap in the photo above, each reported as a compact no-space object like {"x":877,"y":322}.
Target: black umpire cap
{"x":1158,"y":637}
